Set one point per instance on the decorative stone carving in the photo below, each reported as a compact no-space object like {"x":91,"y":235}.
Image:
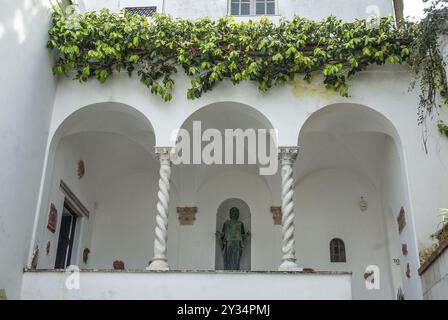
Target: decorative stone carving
{"x":404,"y":249}
{"x":118,"y":265}
{"x":52,"y":218}
{"x":47,"y":247}
{"x":369,"y":276}
{"x":85,"y":255}
{"x":401,"y":220}
{"x":408,"y":271}
{"x":277,"y":215}
{"x":187,"y":215}
{"x":35,"y":258}
{"x":81,"y":169}
{"x":160,"y":261}
{"x":287,"y":156}
{"x":363,"y":204}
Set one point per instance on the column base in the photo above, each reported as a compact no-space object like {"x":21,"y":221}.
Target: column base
{"x":158,"y":264}
{"x":289,"y":265}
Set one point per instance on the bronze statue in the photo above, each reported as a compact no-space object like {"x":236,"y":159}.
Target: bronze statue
{"x":232,"y":238}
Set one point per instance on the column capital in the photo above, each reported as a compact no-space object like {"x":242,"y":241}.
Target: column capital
{"x":288,"y":153}
{"x":165,"y":153}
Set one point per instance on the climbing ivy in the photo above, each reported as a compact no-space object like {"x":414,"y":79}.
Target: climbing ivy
{"x":97,"y":44}
{"x":428,"y":63}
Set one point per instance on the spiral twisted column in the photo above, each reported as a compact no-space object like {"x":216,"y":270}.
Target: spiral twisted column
{"x":287,"y":156}
{"x":160,"y":261}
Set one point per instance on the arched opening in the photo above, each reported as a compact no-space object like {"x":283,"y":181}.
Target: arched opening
{"x":206,"y":185}
{"x":337,"y":250}
{"x":102,"y":159}
{"x":222,"y":215}
{"x":351,"y":184}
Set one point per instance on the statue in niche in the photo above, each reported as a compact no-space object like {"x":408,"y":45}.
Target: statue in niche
{"x":232,"y":240}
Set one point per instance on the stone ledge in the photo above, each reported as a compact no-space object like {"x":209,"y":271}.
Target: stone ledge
{"x":188,"y":271}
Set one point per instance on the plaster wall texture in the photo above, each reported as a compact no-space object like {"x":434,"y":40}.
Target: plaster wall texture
{"x":26,"y":96}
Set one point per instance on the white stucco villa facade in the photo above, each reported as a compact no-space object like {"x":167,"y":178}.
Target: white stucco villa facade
{"x":359,"y":174}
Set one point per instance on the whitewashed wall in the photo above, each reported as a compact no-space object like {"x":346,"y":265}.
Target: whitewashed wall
{"x":66,"y":163}
{"x":383,"y":89}
{"x":124,"y":222}
{"x":312,"y":9}
{"x":118,"y":188}
{"x":24,"y":128}
{"x":327,"y":208}
{"x":197,"y":243}
{"x":26,"y":100}
{"x":188,"y":286}
{"x":394,"y":197}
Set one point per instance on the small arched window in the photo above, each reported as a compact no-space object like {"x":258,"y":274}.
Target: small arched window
{"x":337,"y":250}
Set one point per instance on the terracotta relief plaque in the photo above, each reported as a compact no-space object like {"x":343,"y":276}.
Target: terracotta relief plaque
{"x":52,"y":218}
{"x":277,"y":215}
{"x":187,"y":215}
{"x":118,"y":265}
{"x":47,"y":248}
{"x":35,"y":258}
{"x":85,"y":255}
{"x":81,"y":169}
{"x":401,"y":220}
{"x":404,"y":249}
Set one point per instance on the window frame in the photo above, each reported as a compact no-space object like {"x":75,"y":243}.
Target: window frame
{"x":252,"y":9}
{"x":341,"y":255}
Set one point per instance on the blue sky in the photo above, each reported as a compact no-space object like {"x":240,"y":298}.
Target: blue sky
{"x":414,"y":8}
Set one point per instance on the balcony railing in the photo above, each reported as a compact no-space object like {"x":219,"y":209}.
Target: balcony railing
{"x":143,"y":11}
{"x":141,"y":284}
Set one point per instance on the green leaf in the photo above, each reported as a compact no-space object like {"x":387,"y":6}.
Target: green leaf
{"x":86,"y":72}
{"x":366,"y":52}
{"x":133,"y":58}
{"x":393,"y":59}
{"x":277,"y":58}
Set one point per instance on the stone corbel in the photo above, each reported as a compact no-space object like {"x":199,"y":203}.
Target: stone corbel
{"x":187,"y":215}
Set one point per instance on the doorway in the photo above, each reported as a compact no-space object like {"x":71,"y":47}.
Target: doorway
{"x":66,"y":239}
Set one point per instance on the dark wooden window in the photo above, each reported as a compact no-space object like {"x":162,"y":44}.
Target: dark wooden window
{"x":252,"y":7}
{"x":240,"y":7}
{"x":337,"y":250}
{"x":66,"y":238}
{"x":265,"y":7}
